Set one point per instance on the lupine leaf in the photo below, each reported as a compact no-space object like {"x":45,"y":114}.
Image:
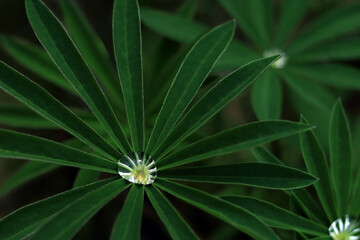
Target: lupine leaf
{"x":26,"y":173}
{"x":192,"y":72}
{"x":327,"y":27}
{"x":266,"y":96}
{"x":355,"y":201}
{"x":127,"y":45}
{"x":235,"y":139}
{"x":311,"y":92}
{"x":128,"y":223}
{"x":346,"y":49}
{"x":340,"y":157}
{"x":34,"y":58}
{"x":252,"y":174}
{"x":277,"y":217}
{"x":26,"y":220}
{"x":62,"y":50}
{"x":68,"y":221}
{"x":188,"y":8}
{"x":265,"y":156}
{"x":85,"y":176}
{"x":292,"y":11}
{"x":317,"y":165}
{"x":332,"y":74}
{"x":172,"y":220}
{"x":212,"y":102}
{"x":254,"y":17}
{"x":91,"y":47}
{"x":228,"y":212}
{"x":42,"y":102}
{"x":18,"y":145}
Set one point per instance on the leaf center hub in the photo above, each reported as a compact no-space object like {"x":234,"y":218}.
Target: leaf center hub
{"x":281,"y":62}
{"x":345,"y":229}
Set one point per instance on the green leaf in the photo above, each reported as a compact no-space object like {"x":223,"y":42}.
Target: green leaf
{"x":127,"y":45}
{"x":18,"y":145}
{"x":236,"y":216}
{"x":327,"y":27}
{"x":292,"y":11}
{"x":26,"y":220}
{"x":91,"y":47}
{"x":266,"y":96}
{"x":85,"y":176}
{"x":184,"y":30}
{"x":36,"y":60}
{"x":346,"y":49}
{"x":235,"y":139}
{"x":277,"y":217}
{"x":42,"y":102}
{"x":310,"y":92}
{"x":188,"y":9}
{"x":172,"y":220}
{"x":317,"y":165}
{"x":254,"y":17}
{"x":68,"y":221}
{"x":64,"y":53}
{"x":212,"y":102}
{"x":265,"y":156}
{"x":355,"y":200}
{"x":332,"y":74}
{"x":340,"y":157}
{"x":251,"y":174}
{"x":128,"y":222}
{"x":26,"y":173}
{"x":192,"y":73}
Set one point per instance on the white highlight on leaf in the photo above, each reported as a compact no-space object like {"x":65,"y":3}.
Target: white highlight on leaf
{"x":281,"y":62}
{"x":346,"y":229}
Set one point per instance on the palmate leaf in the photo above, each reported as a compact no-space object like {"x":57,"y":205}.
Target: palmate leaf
{"x":212,"y":102}
{"x":251,"y":174}
{"x":27,"y":219}
{"x":235,"y":139}
{"x":128,"y":223}
{"x":277,"y":217}
{"x":340,"y":157}
{"x":230,"y":213}
{"x":174,"y":223}
{"x":43,"y":103}
{"x":68,"y":221}
{"x":127,"y":46}
{"x":62,"y":50}
{"x":36,"y":60}
{"x":18,"y":145}
{"x":85,"y":38}
{"x":317,"y":165}
{"x":192,"y":73}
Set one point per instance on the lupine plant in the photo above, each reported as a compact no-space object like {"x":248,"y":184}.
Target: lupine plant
{"x":336,"y":213}
{"x":311,"y":66}
{"x":145,"y":165}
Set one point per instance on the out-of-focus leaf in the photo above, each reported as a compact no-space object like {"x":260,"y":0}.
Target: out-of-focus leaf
{"x":252,"y":174}
{"x":265,"y":156}
{"x":228,"y":212}
{"x":188,"y":8}
{"x":85,"y":176}
{"x":340,"y":157}
{"x":266,"y":96}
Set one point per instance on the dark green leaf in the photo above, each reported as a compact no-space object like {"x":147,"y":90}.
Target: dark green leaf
{"x":70,"y":62}
{"x":266,"y":96}
{"x":252,"y":174}
{"x":18,"y":145}
{"x":172,"y":220}
{"x":128,"y":223}
{"x":127,"y":46}
{"x":68,"y":221}
{"x":228,"y":212}
{"x":235,"y":139}
{"x":212,"y":102}
{"x":27,"y":219}
{"x":277,"y":217}
{"x":340,"y":157}
{"x":265,"y":156}
{"x":317,"y":165}
{"x":85,"y":176}
{"x":188,"y":9}
{"x":192,"y":72}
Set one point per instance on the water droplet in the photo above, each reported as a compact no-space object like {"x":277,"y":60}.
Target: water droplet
{"x":281,"y":62}
{"x":137,"y":168}
{"x":345,"y":229}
